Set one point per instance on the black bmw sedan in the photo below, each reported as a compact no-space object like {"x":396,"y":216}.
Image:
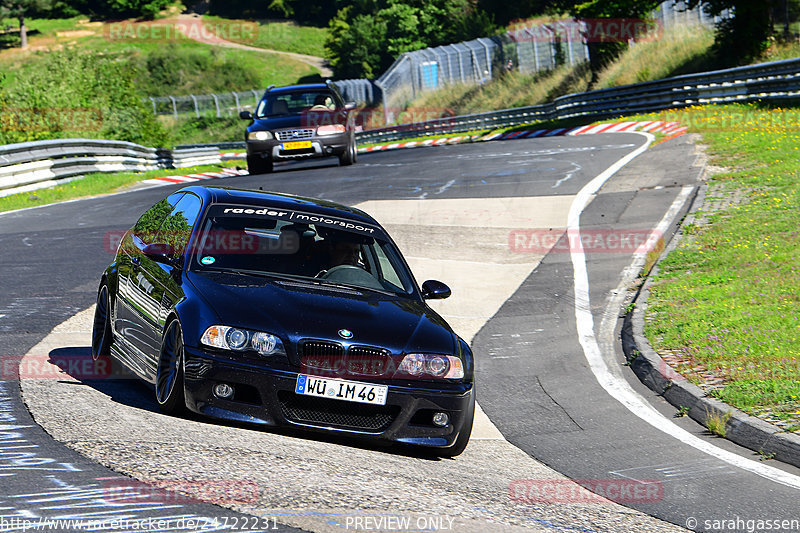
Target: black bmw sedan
{"x":284,"y":311}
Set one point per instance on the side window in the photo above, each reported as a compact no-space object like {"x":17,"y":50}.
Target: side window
{"x":147,"y":225}
{"x":388,"y":271}
{"x":177,"y":226}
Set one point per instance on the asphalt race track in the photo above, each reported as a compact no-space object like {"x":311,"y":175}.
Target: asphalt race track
{"x":489,"y":216}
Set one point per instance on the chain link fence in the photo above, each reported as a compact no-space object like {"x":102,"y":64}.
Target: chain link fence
{"x":362,"y":92}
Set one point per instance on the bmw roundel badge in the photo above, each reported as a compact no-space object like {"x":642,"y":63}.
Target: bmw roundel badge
{"x":345,"y":334}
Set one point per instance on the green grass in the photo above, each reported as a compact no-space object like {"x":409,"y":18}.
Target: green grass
{"x":282,"y":36}
{"x":195,"y":68}
{"x":95,"y":184}
{"x":726,"y":301}
{"x":680,"y":51}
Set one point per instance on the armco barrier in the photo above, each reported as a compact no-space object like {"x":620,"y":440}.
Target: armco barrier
{"x":32,"y":163}
{"x":776,"y":81}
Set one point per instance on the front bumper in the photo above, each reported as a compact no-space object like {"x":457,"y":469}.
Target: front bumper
{"x":329,"y":145}
{"x":266,"y":396}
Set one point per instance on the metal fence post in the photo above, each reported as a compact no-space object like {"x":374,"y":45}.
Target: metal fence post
{"x":216,"y":103}
{"x":236,"y":99}
{"x":174,"y":107}
{"x":196,"y":109}
{"x":153,"y":100}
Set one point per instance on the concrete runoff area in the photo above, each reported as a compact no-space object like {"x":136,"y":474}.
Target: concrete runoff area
{"x":321,"y":484}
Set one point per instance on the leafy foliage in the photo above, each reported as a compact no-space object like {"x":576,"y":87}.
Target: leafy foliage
{"x":745,"y":36}
{"x":70,"y":94}
{"x":366,"y":36}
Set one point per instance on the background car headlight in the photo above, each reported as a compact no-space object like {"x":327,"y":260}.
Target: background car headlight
{"x":259,"y":136}
{"x":433,"y":365}
{"x":237,"y":339}
{"x":330,"y":129}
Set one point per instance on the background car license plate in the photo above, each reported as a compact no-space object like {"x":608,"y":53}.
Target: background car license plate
{"x":340,"y":389}
{"x":296,"y":145}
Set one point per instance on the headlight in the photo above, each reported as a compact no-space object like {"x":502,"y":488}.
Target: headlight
{"x":330,"y":129}
{"x":259,"y":136}
{"x":237,"y":339}
{"x":437,"y":366}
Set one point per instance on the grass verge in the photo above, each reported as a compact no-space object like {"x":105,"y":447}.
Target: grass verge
{"x":724,"y":304}
{"x":96,"y":184}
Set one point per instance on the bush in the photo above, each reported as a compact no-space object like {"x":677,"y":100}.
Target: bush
{"x":72,"y":94}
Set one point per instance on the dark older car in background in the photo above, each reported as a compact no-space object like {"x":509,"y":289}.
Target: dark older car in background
{"x":284,"y":311}
{"x":299,"y":122}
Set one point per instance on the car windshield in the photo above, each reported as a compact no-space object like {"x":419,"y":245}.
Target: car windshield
{"x":302,"y":246}
{"x":276,"y":104}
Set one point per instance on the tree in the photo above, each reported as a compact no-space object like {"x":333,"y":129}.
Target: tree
{"x":19,"y":9}
{"x":602,"y":51}
{"x":368,"y":35}
{"x":745,"y":35}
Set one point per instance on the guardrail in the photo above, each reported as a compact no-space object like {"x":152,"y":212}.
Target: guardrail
{"x":774,"y":81}
{"x":32,"y":165}
{"x":37,"y":163}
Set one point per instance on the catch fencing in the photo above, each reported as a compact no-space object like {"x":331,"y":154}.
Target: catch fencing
{"x":362,"y":92}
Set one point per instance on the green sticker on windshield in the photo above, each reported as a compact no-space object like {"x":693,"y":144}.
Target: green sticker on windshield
{"x":207,"y":260}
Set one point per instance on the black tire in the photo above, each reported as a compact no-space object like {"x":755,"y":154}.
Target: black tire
{"x":102,"y":335}
{"x":258,"y":165}
{"x":463,"y":437}
{"x":169,"y":374}
{"x":349,"y":155}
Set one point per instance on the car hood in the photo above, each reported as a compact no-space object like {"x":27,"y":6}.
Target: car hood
{"x":296,"y":311}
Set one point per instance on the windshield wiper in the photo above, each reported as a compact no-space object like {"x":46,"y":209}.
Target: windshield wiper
{"x":248,"y":272}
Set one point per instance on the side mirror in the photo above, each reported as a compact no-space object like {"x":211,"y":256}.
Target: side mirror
{"x":160,"y":253}
{"x":349,"y":105}
{"x":245,"y":115}
{"x":435,"y":290}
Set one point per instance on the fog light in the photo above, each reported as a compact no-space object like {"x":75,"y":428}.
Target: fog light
{"x":441,"y":419}
{"x":225,"y":391}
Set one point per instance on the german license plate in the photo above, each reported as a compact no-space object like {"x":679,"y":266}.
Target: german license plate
{"x":340,"y":389}
{"x":296,"y":145}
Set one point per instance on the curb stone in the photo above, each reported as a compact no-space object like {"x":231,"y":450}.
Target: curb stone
{"x":748,"y":431}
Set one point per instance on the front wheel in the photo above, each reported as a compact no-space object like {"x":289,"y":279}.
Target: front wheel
{"x":169,"y":374}
{"x":350,"y":154}
{"x":102,"y":336}
{"x":258,"y":165}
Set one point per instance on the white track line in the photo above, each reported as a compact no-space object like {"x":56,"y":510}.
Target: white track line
{"x":617,"y":387}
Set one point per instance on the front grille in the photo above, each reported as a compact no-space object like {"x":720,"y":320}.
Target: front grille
{"x":322,"y":348}
{"x":324,"y":357}
{"x":366,"y":361}
{"x":336,"y":413}
{"x":294,"y":134}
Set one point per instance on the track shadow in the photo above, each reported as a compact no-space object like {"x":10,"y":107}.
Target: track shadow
{"x":122,"y":387}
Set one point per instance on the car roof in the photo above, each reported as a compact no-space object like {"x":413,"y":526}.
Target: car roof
{"x":296,"y":88}
{"x":252,"y":197}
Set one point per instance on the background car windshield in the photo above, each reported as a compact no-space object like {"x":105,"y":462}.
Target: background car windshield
{"x":296,"y":102}
{"x":304,"y":251}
